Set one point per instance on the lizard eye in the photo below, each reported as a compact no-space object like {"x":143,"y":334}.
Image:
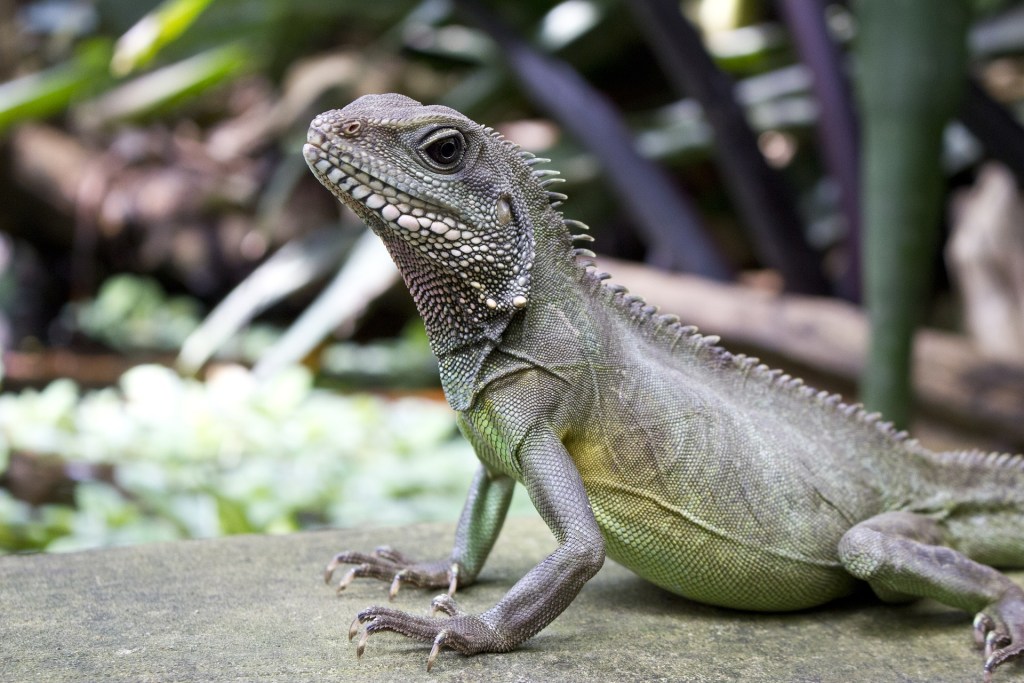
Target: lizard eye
{"x":443,"y":149}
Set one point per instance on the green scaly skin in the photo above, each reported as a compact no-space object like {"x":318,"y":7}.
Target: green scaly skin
{"x":704,"y":472}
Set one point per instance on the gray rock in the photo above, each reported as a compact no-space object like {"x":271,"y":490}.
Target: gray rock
{"x":255,"y":608}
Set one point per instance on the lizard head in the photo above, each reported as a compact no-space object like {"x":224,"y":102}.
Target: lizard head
{"x":444,"y":193}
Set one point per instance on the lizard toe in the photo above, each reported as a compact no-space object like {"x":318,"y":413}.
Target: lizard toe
{"x":377,"y":619}
{"x":464,"y":633}
{"x":389,"y":565}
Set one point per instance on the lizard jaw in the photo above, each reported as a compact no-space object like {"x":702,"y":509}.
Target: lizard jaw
{"x":381,"y":205}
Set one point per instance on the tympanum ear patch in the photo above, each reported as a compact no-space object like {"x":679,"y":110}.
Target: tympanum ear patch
{"x":503,"y":211}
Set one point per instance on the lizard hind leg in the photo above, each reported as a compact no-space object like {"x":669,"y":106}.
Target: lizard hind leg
{"x":901,"y":555}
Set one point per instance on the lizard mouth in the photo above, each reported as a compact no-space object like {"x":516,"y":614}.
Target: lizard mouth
{"x":379,"y":203}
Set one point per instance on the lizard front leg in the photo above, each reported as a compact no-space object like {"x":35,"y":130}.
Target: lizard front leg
{"x":482,"y":517}
{"x":556,"y":489}
{"x":901,"y":555}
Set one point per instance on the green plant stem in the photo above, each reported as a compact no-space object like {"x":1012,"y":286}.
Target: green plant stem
{"x":911,"y":73}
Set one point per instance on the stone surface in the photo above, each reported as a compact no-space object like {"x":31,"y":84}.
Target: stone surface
{"x":255,"y":608}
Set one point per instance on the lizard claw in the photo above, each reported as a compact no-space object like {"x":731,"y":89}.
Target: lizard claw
{"x":453,"y":583}
{"x":396,"y":584}
{"x":331,"y":566}
{"x":436,"y":649}
{"x":361,"y":645}
{"x":349,"y":577}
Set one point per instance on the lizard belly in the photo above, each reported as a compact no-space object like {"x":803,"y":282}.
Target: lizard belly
{"x":707,"y":502}
{"x":721,"y":563}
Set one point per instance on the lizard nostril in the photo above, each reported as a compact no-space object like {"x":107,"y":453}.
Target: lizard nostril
{"x":350,"y":128}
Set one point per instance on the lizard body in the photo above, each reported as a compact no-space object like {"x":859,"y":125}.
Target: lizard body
{"x":705,"y":472}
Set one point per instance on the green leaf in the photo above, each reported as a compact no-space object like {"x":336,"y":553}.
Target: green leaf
{"x":50,"y":91}
{"x":161,"y":89}
{"x":143,"y":41}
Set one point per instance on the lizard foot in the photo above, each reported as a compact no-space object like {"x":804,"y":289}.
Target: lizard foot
{"x":459,"y":631}
{"x":999,"y":629}
{"x":387,"y":564}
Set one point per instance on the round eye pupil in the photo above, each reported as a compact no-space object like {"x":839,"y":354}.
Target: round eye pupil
{"x":447,"y":150}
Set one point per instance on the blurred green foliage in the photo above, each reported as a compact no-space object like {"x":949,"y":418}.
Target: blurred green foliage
{"x":51,"y":90}
{"x":132,"y":312}
{"x":141,"y":43}
{"x":193,"y":459}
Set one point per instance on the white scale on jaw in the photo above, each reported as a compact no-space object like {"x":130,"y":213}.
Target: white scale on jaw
{"x":438,"y":236}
